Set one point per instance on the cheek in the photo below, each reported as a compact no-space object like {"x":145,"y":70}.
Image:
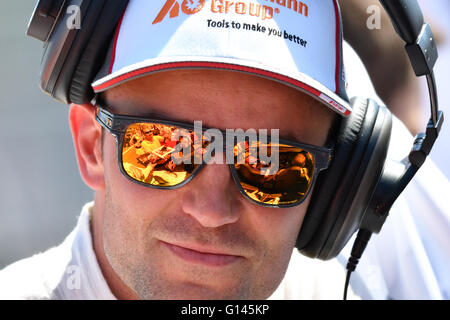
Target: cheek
{"x":127,"y":210}
{"x":123,"y":190}
{"x":280,"y":226}
{"x":130,"y":210}
{"x":278,"y":229}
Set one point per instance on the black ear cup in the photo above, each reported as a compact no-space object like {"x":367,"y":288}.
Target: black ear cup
{"x":343,"y":191}
{"x":73,"y":56}
{"x":93,"y":55}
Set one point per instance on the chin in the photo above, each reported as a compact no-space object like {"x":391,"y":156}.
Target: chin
{"x":197,"y":292}
{"x":175,"y":290}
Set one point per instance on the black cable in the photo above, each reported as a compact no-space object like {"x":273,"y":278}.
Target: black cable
{"x":432,"y":90}
{"x":358,"y":248}
{"x":347,"y":281}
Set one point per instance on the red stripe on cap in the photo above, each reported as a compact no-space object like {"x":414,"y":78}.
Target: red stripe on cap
{"x":338,"y":55}
{"x":215,"y":65}
{"x":116,"y":36}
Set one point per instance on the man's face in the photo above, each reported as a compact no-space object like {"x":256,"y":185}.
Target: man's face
{"x":204,"y":240}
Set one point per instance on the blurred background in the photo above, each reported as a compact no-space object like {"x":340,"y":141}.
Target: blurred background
{"x":41,"y":191}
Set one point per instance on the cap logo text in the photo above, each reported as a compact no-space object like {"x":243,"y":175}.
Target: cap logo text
{"x":172,"y":8}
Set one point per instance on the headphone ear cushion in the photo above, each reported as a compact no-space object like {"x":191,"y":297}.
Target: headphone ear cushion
{"x":309,"y":242}
{"x":93,"y":56}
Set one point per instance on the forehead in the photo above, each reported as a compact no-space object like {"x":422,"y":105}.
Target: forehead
{"x":224,"y":99}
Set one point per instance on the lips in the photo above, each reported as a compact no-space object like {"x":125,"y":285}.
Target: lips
{"x":204,"y":257}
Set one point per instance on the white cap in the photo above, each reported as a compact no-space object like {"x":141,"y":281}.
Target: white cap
{"x":295,"y":42}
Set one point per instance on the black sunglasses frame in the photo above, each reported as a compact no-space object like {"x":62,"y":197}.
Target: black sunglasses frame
{"x":117,"y":125}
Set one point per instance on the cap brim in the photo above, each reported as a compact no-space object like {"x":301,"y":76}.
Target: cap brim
{"x":296,"y":80}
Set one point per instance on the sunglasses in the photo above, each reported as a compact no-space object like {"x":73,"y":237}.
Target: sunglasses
{"x":167,"y":155}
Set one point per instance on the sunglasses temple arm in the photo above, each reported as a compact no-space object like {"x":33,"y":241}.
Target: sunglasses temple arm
{"x":105,"y":118}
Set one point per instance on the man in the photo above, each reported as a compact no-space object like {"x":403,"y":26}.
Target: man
{"x":209,"y":238}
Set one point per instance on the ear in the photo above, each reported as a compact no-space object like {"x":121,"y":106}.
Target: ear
{"x":87,"y":139}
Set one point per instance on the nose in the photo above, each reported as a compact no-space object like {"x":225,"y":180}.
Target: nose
{"x":212,"y":198}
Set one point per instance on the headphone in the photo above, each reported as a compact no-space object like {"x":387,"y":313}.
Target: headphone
{"x":359,"y":187}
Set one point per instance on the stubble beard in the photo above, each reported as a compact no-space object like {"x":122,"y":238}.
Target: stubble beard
{"x":143,"y":277}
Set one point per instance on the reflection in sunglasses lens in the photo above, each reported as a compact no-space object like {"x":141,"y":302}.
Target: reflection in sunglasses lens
{"x":287,"y":185}
{"x":148,"y":154}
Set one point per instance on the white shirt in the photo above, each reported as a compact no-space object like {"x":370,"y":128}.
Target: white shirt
{"x":68,"y":271}
{"x":71,"y":271}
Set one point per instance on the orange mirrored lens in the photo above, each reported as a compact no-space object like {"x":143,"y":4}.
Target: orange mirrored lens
{"x":149,"y":150}
{"x":287,"y":185}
